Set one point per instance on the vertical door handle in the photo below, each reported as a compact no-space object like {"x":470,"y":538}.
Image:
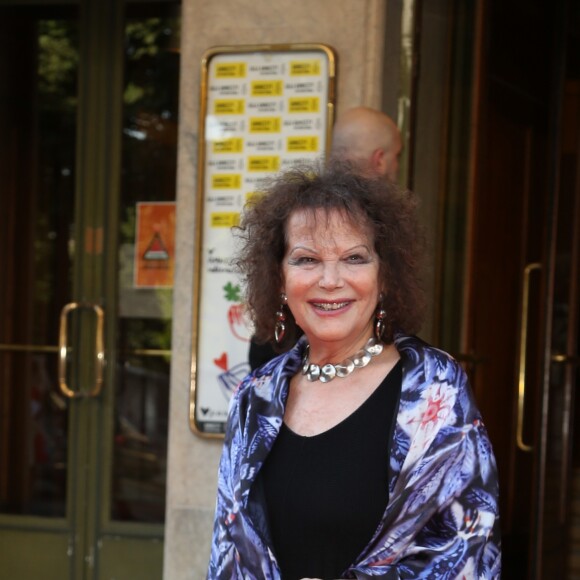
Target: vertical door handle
{"x":522,"y":362}
{"x":63,"y":350}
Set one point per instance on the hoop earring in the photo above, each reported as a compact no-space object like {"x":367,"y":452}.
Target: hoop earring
{"x":280,"y":327}
{"x":380,"y":318}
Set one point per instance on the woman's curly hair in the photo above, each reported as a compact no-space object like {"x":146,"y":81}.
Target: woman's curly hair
{"x":373,"y":204}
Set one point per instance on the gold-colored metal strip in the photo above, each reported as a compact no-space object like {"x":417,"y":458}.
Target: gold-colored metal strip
{"x":63,"y":350}
{"x":522,"y":362}
{"x":56,"y":349}
{"x":565,"y":359}
{"x":99,"y":350}
{"x":145,"y":352}
{"x":29,"y":348}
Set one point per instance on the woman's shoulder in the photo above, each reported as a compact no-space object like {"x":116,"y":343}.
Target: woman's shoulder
{"x":417,"y":352}
{"x":433,"y":374}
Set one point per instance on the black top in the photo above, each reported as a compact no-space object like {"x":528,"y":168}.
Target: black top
{"x":260,"y":354}
{"x":326,"y":494}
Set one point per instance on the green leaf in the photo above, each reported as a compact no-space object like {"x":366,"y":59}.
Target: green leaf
{"x":232,"y":293}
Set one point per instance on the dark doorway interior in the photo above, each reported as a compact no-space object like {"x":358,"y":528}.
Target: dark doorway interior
{"x":523,"y":256}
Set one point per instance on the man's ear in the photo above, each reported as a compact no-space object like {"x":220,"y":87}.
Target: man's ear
{"x":379,"y":161}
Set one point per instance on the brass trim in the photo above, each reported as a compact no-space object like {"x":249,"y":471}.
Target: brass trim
{"x":99,"y":351}
{"x":62,"y":341}
{"x":565,"y":359}
{"x":199,"y":206}
{"x":522,"y":359}
{"x":63,"y":350}
{"x":56,"y":349}
{"x":29,"y":348}
{"x":146,"y":352}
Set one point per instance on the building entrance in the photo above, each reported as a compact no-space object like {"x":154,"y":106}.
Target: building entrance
{"x":88,"y":132}
{"x":522,"y":273}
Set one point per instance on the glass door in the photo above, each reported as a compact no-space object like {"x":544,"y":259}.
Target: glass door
{"x":558,"y":491}
{"x":88,"y":126}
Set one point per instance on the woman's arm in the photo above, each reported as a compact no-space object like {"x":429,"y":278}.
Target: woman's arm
{"x":443,"y":520}
{"x":222,"y":560}
{"x":459,"y":535}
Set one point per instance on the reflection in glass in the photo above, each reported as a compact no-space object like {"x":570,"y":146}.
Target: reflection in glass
{"x":144,"y":314}
{"x":39,"y":62}
{"x":141,"y":440}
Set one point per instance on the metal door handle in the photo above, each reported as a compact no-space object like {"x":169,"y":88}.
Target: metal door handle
{"x":565,"y":359}
{"x":63,"y":348}
{"x":522,"y":364}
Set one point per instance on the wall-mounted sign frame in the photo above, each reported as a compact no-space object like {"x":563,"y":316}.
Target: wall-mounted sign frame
{"x":263,"y":109}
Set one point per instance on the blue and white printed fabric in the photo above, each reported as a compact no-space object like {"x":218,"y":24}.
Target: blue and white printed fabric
{"x":442,"y":519}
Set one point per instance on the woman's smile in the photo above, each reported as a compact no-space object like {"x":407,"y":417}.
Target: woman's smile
{"x":330,"y":306}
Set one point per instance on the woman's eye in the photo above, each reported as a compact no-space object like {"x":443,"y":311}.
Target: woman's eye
{"x":302,"y":261}
{"x":357,"y":259}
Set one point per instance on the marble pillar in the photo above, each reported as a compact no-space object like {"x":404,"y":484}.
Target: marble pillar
{"x":355,"y":29}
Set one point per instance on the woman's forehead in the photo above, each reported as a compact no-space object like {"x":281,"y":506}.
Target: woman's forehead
{"x":317,"y":222}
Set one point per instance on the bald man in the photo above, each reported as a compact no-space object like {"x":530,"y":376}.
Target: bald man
{"x":369,"y":138}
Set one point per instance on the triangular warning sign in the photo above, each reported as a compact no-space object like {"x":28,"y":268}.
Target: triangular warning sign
{"x":156,"y":250}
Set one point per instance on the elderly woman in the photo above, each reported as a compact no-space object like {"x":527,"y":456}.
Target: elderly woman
{"x":358,"y":452}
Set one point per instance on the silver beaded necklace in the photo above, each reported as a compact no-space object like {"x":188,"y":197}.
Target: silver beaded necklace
{"x":342,"y":369}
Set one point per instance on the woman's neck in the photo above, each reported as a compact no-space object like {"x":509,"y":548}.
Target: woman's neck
{"x":324,"y":352}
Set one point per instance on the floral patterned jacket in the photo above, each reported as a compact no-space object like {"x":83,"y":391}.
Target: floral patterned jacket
{"x":442,"y":519}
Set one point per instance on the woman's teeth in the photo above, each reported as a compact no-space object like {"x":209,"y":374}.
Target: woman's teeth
{"x":330,"y":305}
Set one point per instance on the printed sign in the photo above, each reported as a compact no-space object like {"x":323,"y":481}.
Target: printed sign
{"x":154,"y":245}
{"x":263,"y":110}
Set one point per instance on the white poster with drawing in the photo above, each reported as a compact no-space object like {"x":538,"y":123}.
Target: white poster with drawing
{"x":263,"y":110}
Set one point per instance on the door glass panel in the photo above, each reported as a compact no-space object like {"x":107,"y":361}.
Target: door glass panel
{"x":38,"y":67}
{"x":145,"y":262}
{"x":560,"y":511}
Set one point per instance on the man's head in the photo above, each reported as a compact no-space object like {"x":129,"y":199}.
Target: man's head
{"x":368,"y":138}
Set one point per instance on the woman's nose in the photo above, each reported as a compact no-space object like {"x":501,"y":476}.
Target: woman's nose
{"x":331,"y":276}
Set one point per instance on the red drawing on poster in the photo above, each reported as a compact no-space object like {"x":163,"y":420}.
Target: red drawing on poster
{"x":236,"y":313}
{"x":237,"y":322}
{"x":222,"y":361}
{"x":156,"y":254}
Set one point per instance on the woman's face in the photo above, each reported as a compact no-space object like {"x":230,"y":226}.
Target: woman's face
{"x":330,"y":276}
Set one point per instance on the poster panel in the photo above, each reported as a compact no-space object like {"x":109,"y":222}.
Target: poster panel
{"x":263,"y":109}
{"x":154,"y":245}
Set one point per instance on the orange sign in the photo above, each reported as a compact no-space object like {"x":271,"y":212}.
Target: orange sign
{"x":155,"y":245}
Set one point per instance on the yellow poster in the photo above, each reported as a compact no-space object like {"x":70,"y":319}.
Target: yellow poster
{"x":154,"y":245}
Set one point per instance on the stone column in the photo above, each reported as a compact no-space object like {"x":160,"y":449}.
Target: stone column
{"x":355,"y":29}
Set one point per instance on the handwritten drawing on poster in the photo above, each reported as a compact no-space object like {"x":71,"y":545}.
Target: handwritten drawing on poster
{"x":263,"y":110}
{"x":154,"y":245}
